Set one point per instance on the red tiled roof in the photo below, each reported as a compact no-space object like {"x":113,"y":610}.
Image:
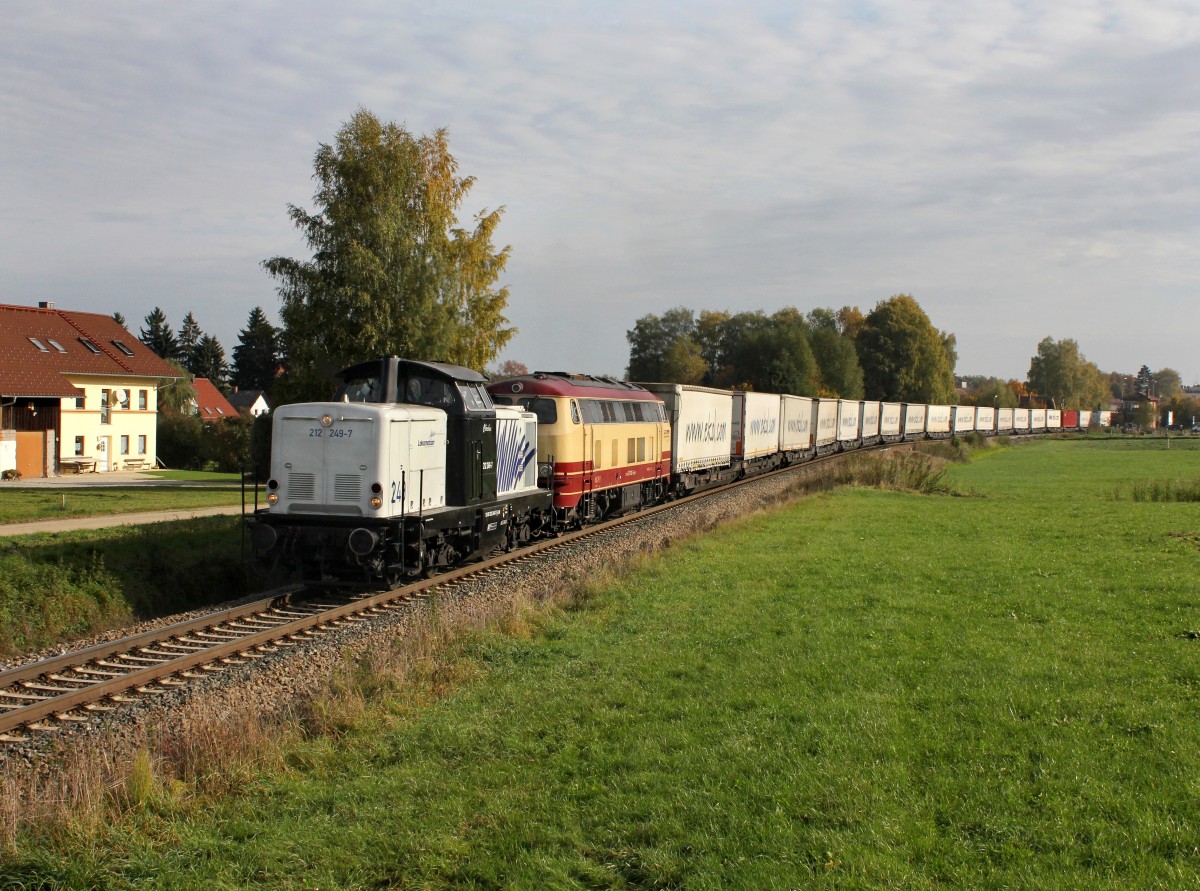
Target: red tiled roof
{"x":210,"y":404}
{"x":29,"y":370}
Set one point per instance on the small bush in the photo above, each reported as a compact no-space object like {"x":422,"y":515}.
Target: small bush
{"x":1164,"y":490}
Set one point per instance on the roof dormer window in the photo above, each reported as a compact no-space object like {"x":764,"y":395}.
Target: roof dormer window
{"x":37,"y":343}
{"x":120,"y":344}
{"x":91,"y":346}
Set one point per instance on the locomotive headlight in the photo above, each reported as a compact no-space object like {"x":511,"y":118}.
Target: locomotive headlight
{"x":272,"y":497}
{"x":376,"y":502}
{"x":376,"y":495}
{"x":544,"y":469}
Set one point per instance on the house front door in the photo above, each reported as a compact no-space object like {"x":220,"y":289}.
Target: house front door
{"x":31,"y":453}
{"x":103,"y":448}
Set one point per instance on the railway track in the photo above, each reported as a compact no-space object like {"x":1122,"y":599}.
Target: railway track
{"x":77,"y":686}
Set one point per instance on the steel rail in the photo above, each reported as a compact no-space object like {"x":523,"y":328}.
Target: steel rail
{"x":182,"y":635}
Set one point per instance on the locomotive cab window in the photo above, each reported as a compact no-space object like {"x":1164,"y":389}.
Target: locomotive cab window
{"x":360,"y":389}
{"x":432,"y":391}
{"x":473,"y":398}
{"x":545,"y":409}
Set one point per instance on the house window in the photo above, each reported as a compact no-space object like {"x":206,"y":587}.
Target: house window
{"x":123,"y":347}
{"x":37,"y":343}
{"x":125,"y":445}
{"x":143,"y":399}
{"x":81,"y":401}
{"x":87,"y":343}
{"x":58,"y":346}
{"x":79,"y":445}
{"x":124,"y":400}
{"x":142,"y":444}
{"x":105,"y":410}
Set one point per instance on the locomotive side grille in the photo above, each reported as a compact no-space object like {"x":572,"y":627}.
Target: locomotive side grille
{"x":302,"y":486}
{"x":347,"y":487}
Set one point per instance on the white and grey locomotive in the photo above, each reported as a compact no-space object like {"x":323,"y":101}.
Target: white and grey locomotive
{"x":410,"y":468}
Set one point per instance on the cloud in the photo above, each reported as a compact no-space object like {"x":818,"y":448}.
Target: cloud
{"x":998,"y":160}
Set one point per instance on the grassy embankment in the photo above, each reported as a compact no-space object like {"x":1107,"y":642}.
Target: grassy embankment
{"x":867,"y":689}
{"x":62,"y":586}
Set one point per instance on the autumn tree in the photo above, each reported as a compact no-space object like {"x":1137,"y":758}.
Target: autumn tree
{"x":1061,"y":373}
{"x":650,"y":339}
{"x":683,"y":363}
{"x":158,"y":336}
{"x":835,"y":355}
{"x":772,"y":353}
{"x":903,"y":357}
{"x":392,"y":270}
{"x":1167,"y":383}
{"x":989,"y":391}
{"x":256,"y":357}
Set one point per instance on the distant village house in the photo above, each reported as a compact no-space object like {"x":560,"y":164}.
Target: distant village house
{"x":78,"y":393}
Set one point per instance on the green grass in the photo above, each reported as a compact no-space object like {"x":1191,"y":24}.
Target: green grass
{"x":28,"y":504}
{"x":62,"y":586}
{"x":199,"y":476}
{"x":867,"y":689}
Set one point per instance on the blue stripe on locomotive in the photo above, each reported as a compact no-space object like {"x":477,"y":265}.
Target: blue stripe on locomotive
{"x":514,"y":451}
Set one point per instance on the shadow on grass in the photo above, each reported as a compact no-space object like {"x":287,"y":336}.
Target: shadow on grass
{"x":55,"y":588}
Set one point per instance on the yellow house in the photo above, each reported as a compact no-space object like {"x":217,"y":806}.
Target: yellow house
{"x":78,"y":393}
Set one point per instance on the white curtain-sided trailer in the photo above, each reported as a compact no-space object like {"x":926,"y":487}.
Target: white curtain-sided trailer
{"x":701,"y":428}
{"x":870,"y":422}
{"x":825,"y":423}
{"x":1037,"y":420}
{"x":1053,"y":419}
{"x":1004,"y":420}
{"x":962,"y":419}
{"x":985,"y":420}
{"x":914,"y":420}
{"x":755,"y":425}
{"x":891,"y":421}
{"x":796,"y":424}
{"x":1021,"y":420}
{"x":849,"y":421}
{"x":937,"y":422}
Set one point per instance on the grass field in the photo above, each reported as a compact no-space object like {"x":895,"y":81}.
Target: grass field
{"x":20,"y":505}
{"x":61,"y":586}
{"x":867,"y":689}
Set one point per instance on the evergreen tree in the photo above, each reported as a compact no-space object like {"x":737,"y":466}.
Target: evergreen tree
{"x":210,"y":362}
{"x":189,"y":343}
{"x":158,"y":336}
{"x":256,"y":356}
{"x":119,"y":319}
{"x":392,"y":271}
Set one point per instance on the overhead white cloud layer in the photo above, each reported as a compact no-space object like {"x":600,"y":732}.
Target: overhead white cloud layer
{"x":1023,"y":169}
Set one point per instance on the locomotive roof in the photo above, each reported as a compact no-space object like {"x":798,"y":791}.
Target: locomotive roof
{"x":438,"y":369}
{"x":563,"y":383}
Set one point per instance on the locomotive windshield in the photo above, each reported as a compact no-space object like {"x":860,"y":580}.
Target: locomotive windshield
{"x":545,"y":409}
{"x":365,"y":388}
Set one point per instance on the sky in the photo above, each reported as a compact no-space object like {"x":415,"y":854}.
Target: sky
{"x":1023,"y":169}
